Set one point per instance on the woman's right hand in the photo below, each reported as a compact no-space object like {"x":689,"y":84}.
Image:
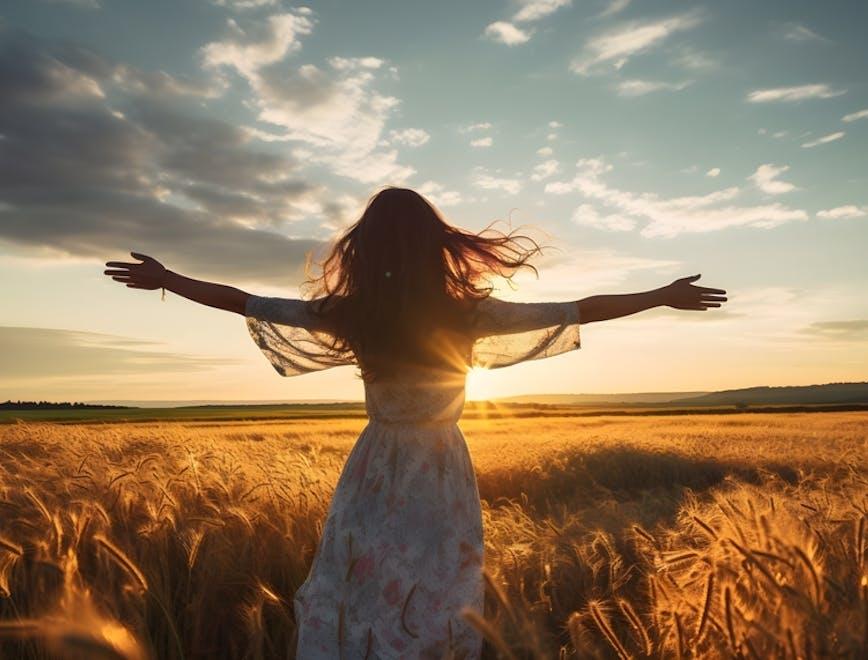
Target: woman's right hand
{"x":150,"y":274}
{"x":683,"y":294}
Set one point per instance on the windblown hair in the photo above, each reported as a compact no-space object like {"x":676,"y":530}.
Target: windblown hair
{"x":399,"y":286}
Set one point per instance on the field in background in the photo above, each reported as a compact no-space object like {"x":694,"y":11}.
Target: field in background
{"x":658,"y":536}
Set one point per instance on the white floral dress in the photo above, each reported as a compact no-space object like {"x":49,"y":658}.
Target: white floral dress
{"x":401,"y":551}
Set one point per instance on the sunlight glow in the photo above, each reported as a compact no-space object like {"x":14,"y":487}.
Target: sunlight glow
{"x":479,"y":384}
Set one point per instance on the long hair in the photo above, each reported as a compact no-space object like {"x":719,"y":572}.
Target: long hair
{"x":398,"y":287}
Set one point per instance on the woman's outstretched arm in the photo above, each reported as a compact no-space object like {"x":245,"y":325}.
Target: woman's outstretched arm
{"x":151,"y":274}
{"x":681,"y":294}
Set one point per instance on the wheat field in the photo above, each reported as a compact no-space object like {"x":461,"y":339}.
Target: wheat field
{"x":706,"y":536}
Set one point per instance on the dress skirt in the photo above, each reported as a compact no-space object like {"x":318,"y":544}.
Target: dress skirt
{"x":401,"y":551}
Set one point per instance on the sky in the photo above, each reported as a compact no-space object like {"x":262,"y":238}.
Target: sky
{"x":642,"y":141}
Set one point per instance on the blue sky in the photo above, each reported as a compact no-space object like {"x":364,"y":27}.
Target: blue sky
{"x":645,"y":140}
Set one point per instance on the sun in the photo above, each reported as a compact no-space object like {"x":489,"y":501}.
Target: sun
{"x":479,"y":384}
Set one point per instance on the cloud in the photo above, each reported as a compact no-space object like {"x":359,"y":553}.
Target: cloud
{"x":507,"y":33}
{"x":695,"y":60}
{"x":800,"y":33}
{"x":637,"y":87}
{"x":545,"y":170}
{"x":614,"y":7}
{"x":482,"y":143}
{"x":90,"y":177}
{"x":831,"y":137}
{"x":534,"y":10}
{"x":713,"y":172}
{"x":487,"y":181}
{"x":668,"y":217}
{"x":479,"y":126}
{"x":765,"y":178}
{"x":544,"y":151}
{"x":40,"y":353}
{"x":589,"y":216}
{"x":853,"y":116}
{"x":530,"y":11}
{"x":842,"y":212}
{"x":243,"y":5}
{"x":438,"y":194}
{"x":855,"y":330}
{"x":790,"y":94}
{"x":617,"y":46}
{"x":411,"y":137}
{"x":334,"y":109}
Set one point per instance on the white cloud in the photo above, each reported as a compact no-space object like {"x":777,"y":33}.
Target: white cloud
{"x":534,"y":10}
{"x":479,"y":126}
{"x":507,"y":33}
{"x":438,"y":194}
{"x":334,"y":109}
{"x":588,"y":216}
{"x":677,"y":215}
{"x":482,"y":143}
{"x":840,"y":212}
{"x":482,"y":179}
{"x":798,"y":32}
{"x":411,"y":137}
{"x":695,"y":60}
{"x":713,"y":172}
{"x":545,"y":170}
{"x":555,"y":124}
{"x":614,"y":7}
{"x":831,"y":137}
{"x":240,"y":5}
{"x":641,"y":87}
{"x":853,"y":116}
{"x":766,"y":179}
{"x":799,"y":93}
{"x":544,"y":151}
{"x":616,"y":47}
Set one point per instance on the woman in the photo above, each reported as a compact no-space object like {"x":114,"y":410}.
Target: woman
{"x":402,"y":296}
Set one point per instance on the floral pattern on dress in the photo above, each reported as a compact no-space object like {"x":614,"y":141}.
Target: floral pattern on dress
{"x":401,"y":553}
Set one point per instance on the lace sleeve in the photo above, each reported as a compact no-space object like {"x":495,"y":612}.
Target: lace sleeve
{"x":507,"y":333}
{"x":291,"y":336}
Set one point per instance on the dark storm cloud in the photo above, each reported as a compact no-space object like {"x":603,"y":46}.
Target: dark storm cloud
{"x":45,"y":352}
{"x":97,"y":159}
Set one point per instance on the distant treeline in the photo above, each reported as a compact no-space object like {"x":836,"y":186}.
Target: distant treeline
{"x":50,"y":405}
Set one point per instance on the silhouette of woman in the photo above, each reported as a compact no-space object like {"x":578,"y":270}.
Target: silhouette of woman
{"x":402,"y":296}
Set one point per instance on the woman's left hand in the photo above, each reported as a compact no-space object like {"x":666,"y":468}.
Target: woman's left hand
{"x":150,"y":274}
{"x":683,"y":294}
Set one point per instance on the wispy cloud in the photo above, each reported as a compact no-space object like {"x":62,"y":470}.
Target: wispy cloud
{"x":439,"y":194}
{"x":714,"y":172}
{"x":614,"y":7}
{"x":411,"y":137}
{"x":831,"y":137}
{"x":545,"y":170}
{"x":482,"y":143}
{"x":854,"y":116}
{"x":529,"y":11}
{"x":766,"y":179}
{"x":668,"y":217}
{"x":534,"y":10}
{"x":843,"y":212}
{"x":799,"y":32}
{"x":855,"y":330}
{"x":587,"y":215}
{"x":336,"y":109}
{"x":638,"y":87}
{"x":487,"y":181}
{"x":478,"y":126}
{"x":544,"y":151}
{"x":615,"y":47}
{"x":507,"y":33}
{"x":790,"y":94}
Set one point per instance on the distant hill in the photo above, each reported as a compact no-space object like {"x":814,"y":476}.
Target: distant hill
{"x":596,"y":399}
{"x":795,"y":394}
{"x":830,"y":393}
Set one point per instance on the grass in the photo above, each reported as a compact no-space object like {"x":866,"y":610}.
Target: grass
{"x":609,"y":536}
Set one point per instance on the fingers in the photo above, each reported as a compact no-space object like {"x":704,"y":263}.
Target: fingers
{"x":706,"y":289}
{"x":117,"y":272}
{"x":139,"y":286}
{"x":711,"y":298}
{"x":140,"y":256}
{"x":120,"y":264}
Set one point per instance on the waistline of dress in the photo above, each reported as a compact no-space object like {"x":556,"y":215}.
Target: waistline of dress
{"x":434,"y":423}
